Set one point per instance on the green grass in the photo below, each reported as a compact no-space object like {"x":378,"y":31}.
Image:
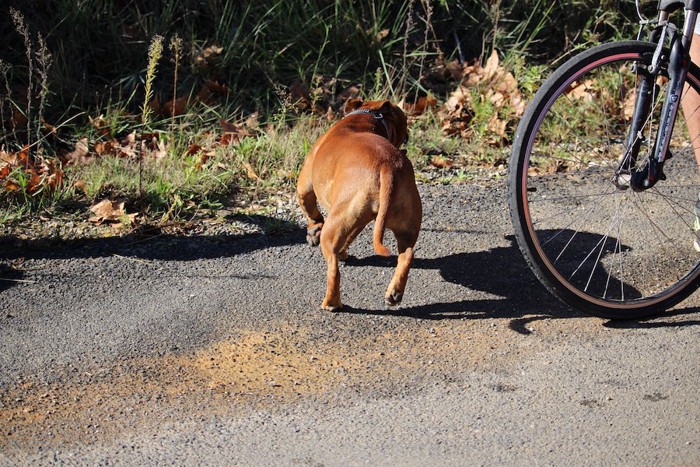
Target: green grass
{"x":108,"y":61}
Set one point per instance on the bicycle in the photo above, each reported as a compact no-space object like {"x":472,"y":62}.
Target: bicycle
{"x":603,"y":182}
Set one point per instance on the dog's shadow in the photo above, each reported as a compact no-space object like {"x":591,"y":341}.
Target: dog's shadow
{"x":500,"y":272}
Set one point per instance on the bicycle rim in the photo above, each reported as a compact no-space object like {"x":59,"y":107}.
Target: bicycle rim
{"x":605,"y":250}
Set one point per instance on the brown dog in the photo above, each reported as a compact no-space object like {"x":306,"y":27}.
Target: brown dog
{"x":357,"y":173}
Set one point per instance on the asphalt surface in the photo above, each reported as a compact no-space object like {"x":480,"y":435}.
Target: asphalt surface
{"x":212,"y":350}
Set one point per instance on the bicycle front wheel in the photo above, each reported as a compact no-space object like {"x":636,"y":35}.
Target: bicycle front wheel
{"x":596,"y":244}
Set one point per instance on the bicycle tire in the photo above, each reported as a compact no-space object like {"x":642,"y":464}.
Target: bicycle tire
{"x":570,"y":219}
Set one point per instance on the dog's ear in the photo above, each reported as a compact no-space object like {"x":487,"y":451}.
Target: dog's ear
{"x":386,"y":107}
{"x":352,"y":104}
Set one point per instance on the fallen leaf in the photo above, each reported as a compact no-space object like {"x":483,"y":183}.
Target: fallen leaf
{"x":106,"y":147}
{"x":250,"y":171}
{"x":107,"y":211}
{"x":155,"y":148}
{"x":458,"y":97}
{"x":127,"y":146}
{"x":193,"y":149}
{"x":80,"y":185}
{"x":208,"y":54}
{"x":24,"y":157}
{"x":232,"y":133}
{"x":216,"y":87}
{"x":100,"y":124}
{"x":497,"y":126}
{"x":81,"y":153}
{"x":491,"y":83}
{"x":35,"y":182}
{"x":581,"y":90}
{"x":252,"y":121}
{"x":492,"y":66}
{"x":10,"y":158}
{"x":55,"y":178}
{"x":299,"y":95}
{"x":176,"y":107}
{"x":11,"y":185}
{"x":420,"y":106}
{"x":441,"y":162}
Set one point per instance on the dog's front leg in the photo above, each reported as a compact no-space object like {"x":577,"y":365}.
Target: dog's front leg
{"x":306,"y":196}
{"x":313,"y":232}
{"x":314,"y":218}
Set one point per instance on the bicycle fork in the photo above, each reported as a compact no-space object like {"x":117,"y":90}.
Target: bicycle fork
{"x":644,"y":176}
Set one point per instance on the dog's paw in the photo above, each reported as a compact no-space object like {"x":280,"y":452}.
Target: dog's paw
{"x":393,"y":298}
{"x":313,"y":235}
{"x":329,"y":307}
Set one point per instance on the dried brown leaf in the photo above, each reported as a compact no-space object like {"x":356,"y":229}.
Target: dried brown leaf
{"x":176,"y":107}
{"x":581,"y":90}
{"x":107,"y":211}
{"x":11,"y":185}
{"x":80,"y":185}
{"x":81,"y":153}
{"x":232,"y":132}
{"x":420,"y":106}
{"x":250,"y":171}
{"x":441,"y":162}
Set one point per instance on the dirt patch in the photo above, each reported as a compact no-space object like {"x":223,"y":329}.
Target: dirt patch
{"x":258,"y":370}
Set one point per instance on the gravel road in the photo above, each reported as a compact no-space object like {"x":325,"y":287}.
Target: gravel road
{"x":212,"y":350}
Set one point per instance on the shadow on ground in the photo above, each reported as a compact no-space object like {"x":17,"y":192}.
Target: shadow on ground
{"x":153,"y":244}
{"x":501,"y":272}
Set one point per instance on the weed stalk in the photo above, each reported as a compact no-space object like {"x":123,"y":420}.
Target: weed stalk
{"x":155,"y":52}
{"x":23,"y":30}
{"x":4,"y":71}
{"x":176,"y":50}
{"x":43,"y":59}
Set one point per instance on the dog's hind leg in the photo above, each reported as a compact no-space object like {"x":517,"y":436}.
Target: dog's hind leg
{"x":333,"y":237}
{"x":343,"y":223}
{"x":405,"y":243}
{"x":343,"y":254}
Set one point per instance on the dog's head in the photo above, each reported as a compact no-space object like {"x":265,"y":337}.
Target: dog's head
{"x":394,"y":118}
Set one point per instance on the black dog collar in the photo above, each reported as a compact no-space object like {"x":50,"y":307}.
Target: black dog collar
{"x":376,"y":115}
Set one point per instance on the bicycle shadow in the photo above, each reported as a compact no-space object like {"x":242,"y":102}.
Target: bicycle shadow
{"x":654,"y":323}
{"x":501,"y":272}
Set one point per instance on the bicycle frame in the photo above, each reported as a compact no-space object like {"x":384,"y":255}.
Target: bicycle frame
{"x":676,"y":66}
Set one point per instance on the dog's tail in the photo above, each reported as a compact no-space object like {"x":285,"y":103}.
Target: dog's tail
{"x":386,"y":185}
